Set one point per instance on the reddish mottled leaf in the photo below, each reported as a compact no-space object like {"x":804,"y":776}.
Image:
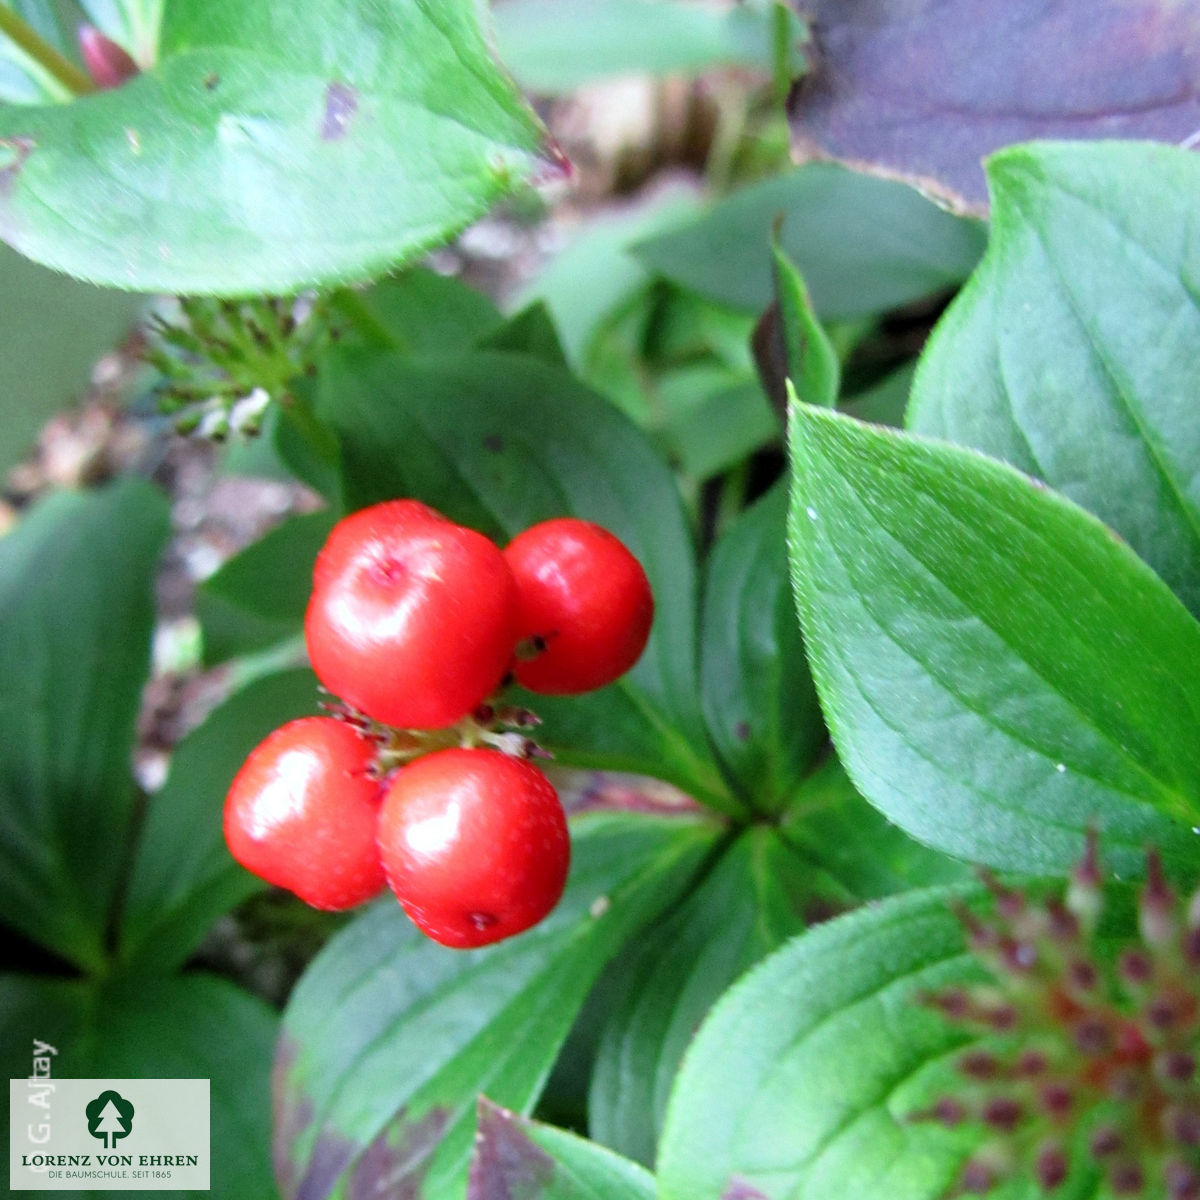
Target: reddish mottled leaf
{"x":518,"y":1159}
{"x":506,"y":1160}
{"x":926,"y":89}
{"x":389,"y":1039}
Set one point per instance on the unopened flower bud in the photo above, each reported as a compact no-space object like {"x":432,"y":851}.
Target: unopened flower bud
{"x":1105,"y":1142}
{"x":1051,"y":1166}
{"x":1084,"y":896}
{"x":1003,"y":1113}
{"x":1182,"y":1180}
{"x":1135,"y":967}
{"x":1175,"y":1066}
{"x":1127,"y":1179}
{"x":107,"y":63}
{"x":977,"y":1178}
{"x":1156,"y":905}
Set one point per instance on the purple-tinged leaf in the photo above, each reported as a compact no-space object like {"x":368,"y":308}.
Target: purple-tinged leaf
{"x":389,"y":1039}
{"x":925,"y":90}
{"x":519,"y":1159}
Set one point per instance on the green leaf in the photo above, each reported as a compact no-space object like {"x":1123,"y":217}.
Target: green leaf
{"x":389,"y":1038}
{"x":76,"y":614}
{"x":183,"y":877}
{"x":232,"y":168}
{"x":530,"y":331}
{"x":681,"y":327}
{"x":854,"y":852}
{"x":812,"y":362}
{"x":177,"y":1027}
{"x":801,"y":1082}
{"x":307,"y":446}
{"x":884,"y":402}
{"x":596,"y":275}
{"x":862,"y":244}
{"x":753,"y":900}
{"x":759,"y":700}
{"x":714,"y":418}
{"x":1072,"y":353}
{"x":499,"y":442}
{"x":829,"y":852}
{"x":55,"y":329}
{"x":518,"y":1157}
{"x":558,"y":45}
{"x":680,"y":367}
{"x":998,"y":671}
{"x":419,"y":311}
{"x":259,"y":596}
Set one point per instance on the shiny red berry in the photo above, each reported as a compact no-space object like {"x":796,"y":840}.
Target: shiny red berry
{"x":585,"y":605}
{"x":303,"y":812}
{"x":412,"y":618}
{"x":474,"y":844}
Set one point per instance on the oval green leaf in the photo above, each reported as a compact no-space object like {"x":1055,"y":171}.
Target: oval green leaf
{"x":999,"y":672}
{"x":759,"y":700}
{"x":754,"y":898}
{"x":76,"y":615}
{"x":1072,"y":353}
{"x":830,"y":852}
{"x":272,"y":147}
{"x":800,"y":1083}
{"x":862,"y":244}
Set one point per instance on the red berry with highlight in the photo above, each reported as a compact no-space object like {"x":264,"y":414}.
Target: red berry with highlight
{"x":412,"y":618}
{"x":474,"y":844}
{"x":585,"y":599}
{"x":303,"y":812}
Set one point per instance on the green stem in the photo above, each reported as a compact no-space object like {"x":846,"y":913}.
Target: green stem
{"x":781,"y":32}
{"x":31,"y":43}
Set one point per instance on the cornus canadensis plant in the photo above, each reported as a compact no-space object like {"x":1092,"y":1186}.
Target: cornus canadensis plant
{"x":1097,"y":1065}
{"x":792,"y":699}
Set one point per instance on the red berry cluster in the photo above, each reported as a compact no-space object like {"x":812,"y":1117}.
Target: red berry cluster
{"x":1095,"y":1056}
{"x":422,"y":778}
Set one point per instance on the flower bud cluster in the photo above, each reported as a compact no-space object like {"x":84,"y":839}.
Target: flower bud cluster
{"x":223,"y":361}
{"x":1097,"y":1066}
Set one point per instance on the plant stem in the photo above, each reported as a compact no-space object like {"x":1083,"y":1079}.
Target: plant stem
{"x":31,"y":43}
{"x":781,"y":53}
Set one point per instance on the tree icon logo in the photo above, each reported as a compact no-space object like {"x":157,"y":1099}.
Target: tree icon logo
{"x":109,"y":1117}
